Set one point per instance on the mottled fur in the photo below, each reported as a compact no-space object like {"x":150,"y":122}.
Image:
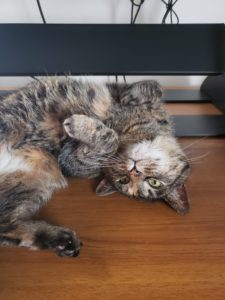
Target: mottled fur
{"x":56,"y":127}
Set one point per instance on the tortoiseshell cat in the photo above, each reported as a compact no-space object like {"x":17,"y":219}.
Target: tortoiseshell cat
{"x":56,"y":127}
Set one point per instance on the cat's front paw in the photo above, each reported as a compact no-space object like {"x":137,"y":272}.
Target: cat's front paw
{"x":143,"y":92}
{"x":80,"y":126}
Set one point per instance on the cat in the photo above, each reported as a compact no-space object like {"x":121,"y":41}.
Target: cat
{"x":59,"y":127}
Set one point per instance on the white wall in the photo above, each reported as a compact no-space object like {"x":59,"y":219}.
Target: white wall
{"x":110,"y":11}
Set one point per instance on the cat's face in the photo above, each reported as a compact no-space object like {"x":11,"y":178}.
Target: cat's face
{"x":149,"y":170}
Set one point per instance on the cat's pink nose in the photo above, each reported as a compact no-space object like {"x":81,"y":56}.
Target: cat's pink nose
{"x":135,"y":172}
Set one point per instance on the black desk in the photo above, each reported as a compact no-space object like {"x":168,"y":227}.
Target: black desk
{"x":106,"y":49}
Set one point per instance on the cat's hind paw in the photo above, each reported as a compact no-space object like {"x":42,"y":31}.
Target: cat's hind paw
{"x":68,"y":245}
{"x":64,"y":242}
{"x":143,"y":92}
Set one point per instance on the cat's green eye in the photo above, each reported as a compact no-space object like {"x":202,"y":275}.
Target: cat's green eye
{"x":154,"y":183}
{"x":124,"y":180}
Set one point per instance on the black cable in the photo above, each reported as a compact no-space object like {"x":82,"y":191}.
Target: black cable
{"x":41,"y":12}
{"x":138,"y":5}
{"x":170,"y":11}
{"x":44,"y":22}
{"x":133,"y":18}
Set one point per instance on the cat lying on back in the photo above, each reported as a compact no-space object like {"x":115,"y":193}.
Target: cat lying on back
{"x":56,"y":127}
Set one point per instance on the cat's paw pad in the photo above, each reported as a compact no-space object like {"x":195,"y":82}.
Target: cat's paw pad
{"x":74,"y":124}
{"x":67,"y":244}
{"x":82,"y":127}
{"x":78,"y":125}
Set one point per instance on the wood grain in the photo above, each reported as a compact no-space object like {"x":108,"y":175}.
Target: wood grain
{"x":132,"y":250}
{"x":192,"y":109}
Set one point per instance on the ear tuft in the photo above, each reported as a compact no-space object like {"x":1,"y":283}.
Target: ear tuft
{"x":105,"y":188}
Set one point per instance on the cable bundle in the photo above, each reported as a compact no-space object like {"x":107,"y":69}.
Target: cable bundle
{"x":170,"y":11}
{"x":133,"y":17}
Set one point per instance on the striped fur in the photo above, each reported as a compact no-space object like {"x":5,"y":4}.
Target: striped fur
{"x":58,"y":127}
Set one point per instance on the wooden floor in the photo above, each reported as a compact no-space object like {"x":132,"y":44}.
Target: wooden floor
{"x":132,"y":250}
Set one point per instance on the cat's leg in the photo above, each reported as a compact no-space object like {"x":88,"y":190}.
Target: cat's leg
{"x":29,"y":179}
{"x":147,"y":93}
{"x":91,"y":147}
{"x":38,"y":235}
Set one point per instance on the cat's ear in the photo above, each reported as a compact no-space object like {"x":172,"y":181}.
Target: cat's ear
{"x":178,"y":199}
{"x":105,"y":188}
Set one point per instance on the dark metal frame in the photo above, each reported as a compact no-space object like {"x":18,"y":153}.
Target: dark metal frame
{"x":106,"y":49}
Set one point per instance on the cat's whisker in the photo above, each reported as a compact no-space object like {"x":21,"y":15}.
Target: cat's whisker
{"x":111,"y":165}
{"x":194,"y":143}
{"x":193,"y":159}
{"x":112,"y":161}
{"x":94,"y":164}
{"x":112,"y":158}
{"x":103,"y":166}
{"x":93,"y":167}
{"x":119,"y":156}
{"x":189,"y":152}
{"x":106,"y":162}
